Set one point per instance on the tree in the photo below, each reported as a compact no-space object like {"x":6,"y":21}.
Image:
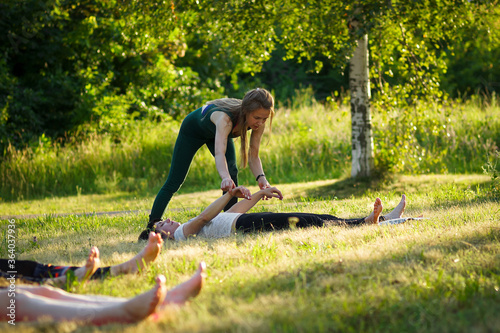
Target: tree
{"x":76,"y":64}
{"x":67,"y":62}
{"x":408,"y":44}
{"x":359,"y":85}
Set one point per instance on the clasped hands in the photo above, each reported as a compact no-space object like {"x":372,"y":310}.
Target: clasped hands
{"x":227,"y":185}
{"x":244,"y":193}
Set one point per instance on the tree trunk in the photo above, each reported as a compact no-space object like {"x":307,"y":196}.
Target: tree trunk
{"x":359,"y":84}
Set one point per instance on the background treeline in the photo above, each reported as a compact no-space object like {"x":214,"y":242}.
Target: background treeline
{"x":309,"y":142}
{"x":70,"y":67}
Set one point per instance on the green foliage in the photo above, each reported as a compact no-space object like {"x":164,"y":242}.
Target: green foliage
{"x":410,"y":59}
{"x":91,"y":65}
{"x":288,"y":78}
{"x":73,"y":68}
{"x":311,"y":141}
{"x":432,"y":139}
{"x":474,"y":62}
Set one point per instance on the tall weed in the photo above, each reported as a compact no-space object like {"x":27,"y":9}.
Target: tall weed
{"x":492,"y":169}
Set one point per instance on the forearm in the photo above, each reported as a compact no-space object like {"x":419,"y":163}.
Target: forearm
{"x":194,"y":226}
{"x":255,"y":165}
{"x":216,"y":207}
{"x":244,"y":206}
{"x":221,"y":165}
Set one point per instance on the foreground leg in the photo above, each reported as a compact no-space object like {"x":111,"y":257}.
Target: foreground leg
{"x":189,"y":289}
{"x":398,"y":211}
{"x":59,"y":294}
{"x":33,"y":307}
{"x":142,"y":259}
{"x":377,"y":209}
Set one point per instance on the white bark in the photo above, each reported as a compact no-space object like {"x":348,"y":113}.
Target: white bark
{"x":359,"y":84}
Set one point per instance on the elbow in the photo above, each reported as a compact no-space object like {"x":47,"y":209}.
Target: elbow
{"x":203,"y":218}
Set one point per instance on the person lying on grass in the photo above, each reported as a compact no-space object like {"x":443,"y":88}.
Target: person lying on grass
{"x":43,"y":302}
{"x":37,"y":302}
{"x":212,"y":223}
{"x":32,"y":271}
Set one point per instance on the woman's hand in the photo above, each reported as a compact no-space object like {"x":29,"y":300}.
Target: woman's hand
{"x":227,"y":184}
{"x":272,"y":192}
{"x":263,"y":183}
{"x":241,"y":192}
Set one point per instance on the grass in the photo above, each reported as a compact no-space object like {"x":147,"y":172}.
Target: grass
{"x":186,"y":198}
{"x":307,"y":144}
{"x":437,"y":275}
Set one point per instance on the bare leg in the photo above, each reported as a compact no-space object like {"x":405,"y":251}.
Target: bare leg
{"x":398,"y":211}
{"x":82,"y":273}
{"x":33,"y":307}
{"x":377,"y":209}
{"x":136,"y":308}
{"x":58,"y":294}
{"x":178,"y":295}
{"x":189,"y":289}
{"x":142,"y":259}
{"x":147,"y":255}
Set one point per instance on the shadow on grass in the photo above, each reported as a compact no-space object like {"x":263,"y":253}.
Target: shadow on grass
{"x":345,"y":188}
{"x":439,"y":303}
{"x":349,"y":187}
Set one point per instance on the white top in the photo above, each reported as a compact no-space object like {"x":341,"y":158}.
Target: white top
{"x":220,"y":226}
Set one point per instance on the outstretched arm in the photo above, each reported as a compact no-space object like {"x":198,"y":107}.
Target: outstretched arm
{"x":223,"y":127}
{"x":254,"y":161}
{"x":245,"y":205}
{"x":194,"y":226}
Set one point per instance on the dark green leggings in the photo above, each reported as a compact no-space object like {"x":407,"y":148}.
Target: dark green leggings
{"x":184,"y":151}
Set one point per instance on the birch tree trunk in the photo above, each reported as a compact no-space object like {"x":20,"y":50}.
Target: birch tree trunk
{"x":359,"y":84}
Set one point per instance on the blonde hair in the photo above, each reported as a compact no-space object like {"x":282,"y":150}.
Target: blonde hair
{"x":254,"y":99}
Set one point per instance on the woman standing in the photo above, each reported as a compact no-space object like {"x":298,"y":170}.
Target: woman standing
{"x":215,"y":125}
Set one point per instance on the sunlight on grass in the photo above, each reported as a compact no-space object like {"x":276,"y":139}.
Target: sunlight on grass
{"x":295,"y":193}
{"x":439,"y":274}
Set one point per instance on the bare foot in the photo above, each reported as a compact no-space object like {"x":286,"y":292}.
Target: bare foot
{"x":377,"y":209}
{"x":398,"y":211}
{"x":146,"y":304}
{"x":92,"y":264}
{"x":189,"y":289}
{"x":142,"y":259}
{"x":82,"y":273}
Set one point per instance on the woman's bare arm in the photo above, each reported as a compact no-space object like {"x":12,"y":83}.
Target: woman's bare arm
{"x":254,"y":161}
{"x":223,"y":127}
{"x":194,"y":226}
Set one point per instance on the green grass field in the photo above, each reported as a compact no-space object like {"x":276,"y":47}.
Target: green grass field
{"x":437,"y":275}
{"x":441,"y":274}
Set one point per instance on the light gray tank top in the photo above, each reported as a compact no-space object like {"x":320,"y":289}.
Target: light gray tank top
{"x":220,"y":226}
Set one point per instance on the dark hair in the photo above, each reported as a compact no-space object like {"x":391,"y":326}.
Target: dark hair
{"x":144,"y":235}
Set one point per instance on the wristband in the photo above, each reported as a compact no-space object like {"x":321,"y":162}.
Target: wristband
{"x":261,"y":175}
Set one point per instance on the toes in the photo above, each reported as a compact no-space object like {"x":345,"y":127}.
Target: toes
{"x":160,"y":279}
{"x":202,"y":267}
